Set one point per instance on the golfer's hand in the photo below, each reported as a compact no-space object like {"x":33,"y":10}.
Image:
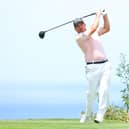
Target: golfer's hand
{"x":98,"y":13}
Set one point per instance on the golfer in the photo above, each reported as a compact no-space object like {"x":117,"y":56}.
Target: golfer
{"x":98,"y":67}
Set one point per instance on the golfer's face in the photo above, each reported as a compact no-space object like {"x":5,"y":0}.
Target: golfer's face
{"x":81,"y":27}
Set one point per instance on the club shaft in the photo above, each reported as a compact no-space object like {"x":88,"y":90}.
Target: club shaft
{"x":89,"y":15}
{"x":67,"y":22}
{"x":59,"y":26}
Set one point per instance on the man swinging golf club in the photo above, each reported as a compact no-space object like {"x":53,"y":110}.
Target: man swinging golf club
{"x":98,"y":67}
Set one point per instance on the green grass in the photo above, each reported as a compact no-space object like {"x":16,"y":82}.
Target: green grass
{"x":60,"y":124}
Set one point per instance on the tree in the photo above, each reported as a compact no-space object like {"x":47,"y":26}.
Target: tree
{"x":123,"y":73}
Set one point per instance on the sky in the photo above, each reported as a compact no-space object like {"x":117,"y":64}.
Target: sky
{"x":29,"y":64}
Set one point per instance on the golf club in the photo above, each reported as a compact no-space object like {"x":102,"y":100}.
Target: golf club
{"x":42,"y":33}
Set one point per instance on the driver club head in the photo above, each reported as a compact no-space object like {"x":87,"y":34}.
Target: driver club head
{"x":41,"y":34}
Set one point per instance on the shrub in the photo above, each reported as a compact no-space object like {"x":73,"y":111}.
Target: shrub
{"x":116,"y":113}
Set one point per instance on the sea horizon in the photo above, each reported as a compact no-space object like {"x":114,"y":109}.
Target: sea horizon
{"x":49,"y":101}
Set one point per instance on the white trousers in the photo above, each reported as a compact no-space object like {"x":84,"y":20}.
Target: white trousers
{"x":98,"y":77}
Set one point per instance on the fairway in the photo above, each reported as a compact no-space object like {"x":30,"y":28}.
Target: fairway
{"x":60,"y":124}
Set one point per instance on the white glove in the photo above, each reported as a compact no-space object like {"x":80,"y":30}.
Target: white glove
{"x":104,"y":13}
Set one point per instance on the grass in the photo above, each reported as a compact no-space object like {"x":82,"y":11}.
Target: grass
{"x":60,"y":124}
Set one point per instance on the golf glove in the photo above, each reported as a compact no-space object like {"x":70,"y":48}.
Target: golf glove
{"x":104,"y":13}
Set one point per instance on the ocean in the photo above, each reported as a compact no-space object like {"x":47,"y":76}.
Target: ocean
{"x":47,"y":101}
{"x":40,"y":111}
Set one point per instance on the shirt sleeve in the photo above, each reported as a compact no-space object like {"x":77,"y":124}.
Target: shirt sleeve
{"x":81,"y":37}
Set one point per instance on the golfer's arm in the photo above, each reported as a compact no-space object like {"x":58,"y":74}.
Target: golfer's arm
{"x":95,"y":25}
{"x":106,"y":26}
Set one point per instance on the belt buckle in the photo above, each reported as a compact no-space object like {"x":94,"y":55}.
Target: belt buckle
{"x":93,"y":62}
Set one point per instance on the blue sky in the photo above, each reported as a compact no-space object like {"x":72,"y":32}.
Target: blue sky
{"x":28,"y":63}
{"x":25,"y":57}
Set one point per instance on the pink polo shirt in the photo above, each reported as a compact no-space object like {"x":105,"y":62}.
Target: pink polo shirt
{"x":91,"y":46}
